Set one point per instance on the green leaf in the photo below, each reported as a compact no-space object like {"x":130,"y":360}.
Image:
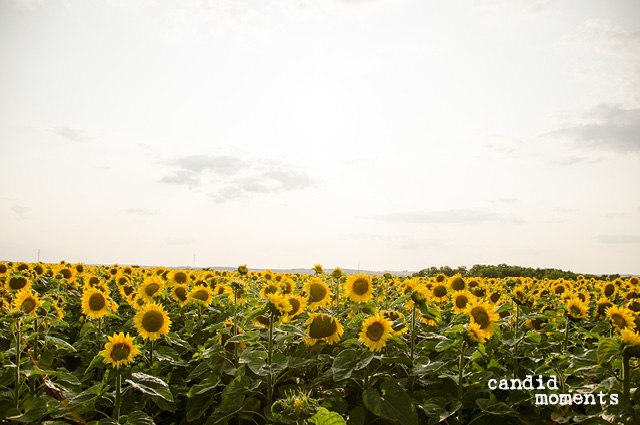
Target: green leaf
{"x":257,"y":362}
{"x":343,"y":364}
{"x":198,"y":405}
{"x":326,"y":417}
{"x":208,"y":384}
{"x":139,"y":418}
{"x":494,"y":407}
{"x":364,"y":360}
{"x":59,"y":343}
{"x":392,"y":403}
{"x":168,"y":355}
{"x":607,"y":348}
{"x":150,"y":385}
{"x":356,"y":416}
{"x":34,"y":409}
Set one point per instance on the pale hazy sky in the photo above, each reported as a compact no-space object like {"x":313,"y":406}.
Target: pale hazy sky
{"x":400,"y":134}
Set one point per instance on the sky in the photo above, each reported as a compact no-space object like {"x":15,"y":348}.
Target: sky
{"x":373,"y":134}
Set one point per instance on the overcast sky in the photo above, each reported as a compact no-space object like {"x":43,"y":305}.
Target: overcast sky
{"x":394,"y":134}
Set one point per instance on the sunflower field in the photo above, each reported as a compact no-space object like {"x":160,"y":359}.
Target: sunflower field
{"x":130,"y":345}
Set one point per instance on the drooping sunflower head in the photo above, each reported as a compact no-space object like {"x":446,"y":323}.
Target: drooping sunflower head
{"x":621,"y":318}
{"x":269,"y":288}
{"x":298,"y":305}
{"x":180,"y":294}
{"x":123,"y":279}
{"x":359,"y":288}
{"x":609,"y":290}
{"x":26,"y":301}
{"x":152,"y":321}
{"x":457,"y":283}
{"x":15,"y":283}
{"x":120,"y":350}
{"x":576,"y":309}
{"x":375,"y":332}
{"x":95,"y":303}
{"x":318,"y":293}
{"x":201,"y":295}
{"x":323,"y":327}
{"x":476,"y":333}
{"x":484,"y":315}
{"x":287,"y":285}
{"x":603,"y":305}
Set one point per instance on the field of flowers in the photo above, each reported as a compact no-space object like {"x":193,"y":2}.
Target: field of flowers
{"x":130,"y":345}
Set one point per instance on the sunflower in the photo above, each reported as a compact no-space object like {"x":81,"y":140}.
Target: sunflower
{"x":476,"y":333}
{"x":630,"y":337}
{"x":262,"y":321}
{"x":151,"y":287}
{"x":609,"y":290}
{"x":17,"y":283}
{"x":123,"y":279}
{"x":268,"y":288}
{"x":127,"y":292}
{"x":95,"y":303}
{"x":375,"y":332}
{"x":180,"y":293}
{"x":287,"y":285}
{"x":280,"y":303}
{"x":226,"y":334}
{"x":152,"y":321}
{"x":38,"y":269}
{"x":440,"y":279}
{"x":91,"y":280}
{"x":323,"y":327}
{"x":4,"y":270}
{"x":317,"y":268}
{"x":201,"y":295}
{"x":176,"y":277}
{"x":237,"y":297}
{"x":576,"y":309}
{"x":439,"y":292}
{"x":622,"y":318}
{"x":318,"y":293}
{"x":457,"y":283}
{"x":26,"y":301}
{"x":484,"y":315}
{"x":298,"y":305}
{"x":336,"y":273}
{"x":460,"y":301}
{"x":602,"y":306}
{"x":120,"y":350}
{"x":359,"y":288}
{"x":393,"y":316}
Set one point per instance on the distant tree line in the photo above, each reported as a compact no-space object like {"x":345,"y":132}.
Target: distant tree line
{"x":504,"y":270}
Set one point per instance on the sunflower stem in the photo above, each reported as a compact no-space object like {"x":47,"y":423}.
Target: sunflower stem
{"x":152,"y":346}
{"x":18,"y":349}
{"x":413,"y":343}
{"x":461,"y":377}
{"x":566,"y":334}
{"x":515,"y":348}
{"x":116,"y":407}
{"x":626,"y":379}
{"x":269,"y":360}
{"x":235,"y":325}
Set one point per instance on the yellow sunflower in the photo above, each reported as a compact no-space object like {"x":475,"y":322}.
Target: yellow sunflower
{"x":26,"y":301}
{"x":323,"y":327}
{"x":151,"y":287}
{"x":476,"y":333}
{"x":152,"y":321}
{"x":602,"y":306}
{"x":120,"y":350}
{"x":279,"y":302}
{"x":201,"y":295}
{"x":630,"y":337}
{"x":457,"y":283}
{"x":318,"y":293}
{"x":375,"y":332}
{"x":180,"y":293}
{"x":622,"y":318}
{"x":460,"y":301}
{"x":287,"y":285}
{"x":484,"y":315}
{"x":608,"y":289}
{"x":176,"y":277}
{"x":17,"y":283}
{"x":268,"y":288}
{"x":576,"y":309}
{"x":439,"y":292}
{"x":95,"y":303}
{"x":359,"y":288}
{"x":298,"y":305}
{"x":317,"y":268}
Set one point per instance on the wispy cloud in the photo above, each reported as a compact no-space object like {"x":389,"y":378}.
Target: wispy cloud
{"x":228,"y":177}
{"x":444,"y":216}
{"x":20,"y":211}
{"x":605,"y":126}
{"x":72,"y":134}
{"x":140,"y":211}
{"x":619,"y":239}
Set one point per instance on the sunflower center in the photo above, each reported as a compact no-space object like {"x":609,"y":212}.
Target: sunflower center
{"x":582,"y":297}
{"x":322,"y":327}
{"x":603,"y":307}
{"x":201,"y":295}
{"x":17,"y":283}
{"x":180,"y":277}
{"x":66,"y":273}
{"x":494,"y":297}
{"x":93,"y":281}
{"x":181,"y":293}
{"x":120,"y":352}
{"x":295,"y":306}
{"x":375,"y":331}
{"x":618,"y":320}
{"x":575,"y":310}
{"x":97,"y":301}
{"x":440,"y":291}
{"x":3,"y":268}
{"x":38,"y":269}
{"x":152,"y":321}
{"x":151,"y":289}
{"x":457,"y":284}
{"x":440,"y":278}
{"x":481,"y":316}
{"x":360,"y":286}
{"x":128,"y":290}
{"x":270,"y":289}
{"x":609,"y":290}
{"x":317,"y":292}
{"x":28,"y":305}
{"x":461,"y":301}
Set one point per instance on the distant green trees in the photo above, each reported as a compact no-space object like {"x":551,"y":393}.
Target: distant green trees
{"x":504,"y":270}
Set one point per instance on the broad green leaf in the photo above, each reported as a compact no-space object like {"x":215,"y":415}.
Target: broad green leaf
{"x":208,"y":384}
{"x":494,"y":407}
{"x":326,"y":417}
{"x":150,"y":385}
{"x":34,"y":409}
{"x":392,"y":403}
{"x":59,"y":343}
{"x":344,"y":364}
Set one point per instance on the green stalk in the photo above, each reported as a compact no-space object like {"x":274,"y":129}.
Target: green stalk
{"x":116,"y":410}
{"x":235,"y":325}
{"x":460,"y":378}
{"x":269,"y":360}
{"x":626,"y":379}
{"x":18,"y":349}
{"x":515,"y":349}
{"x":566,"y":334}
{"x":413,"y":344}
{"x":153,"y":343}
